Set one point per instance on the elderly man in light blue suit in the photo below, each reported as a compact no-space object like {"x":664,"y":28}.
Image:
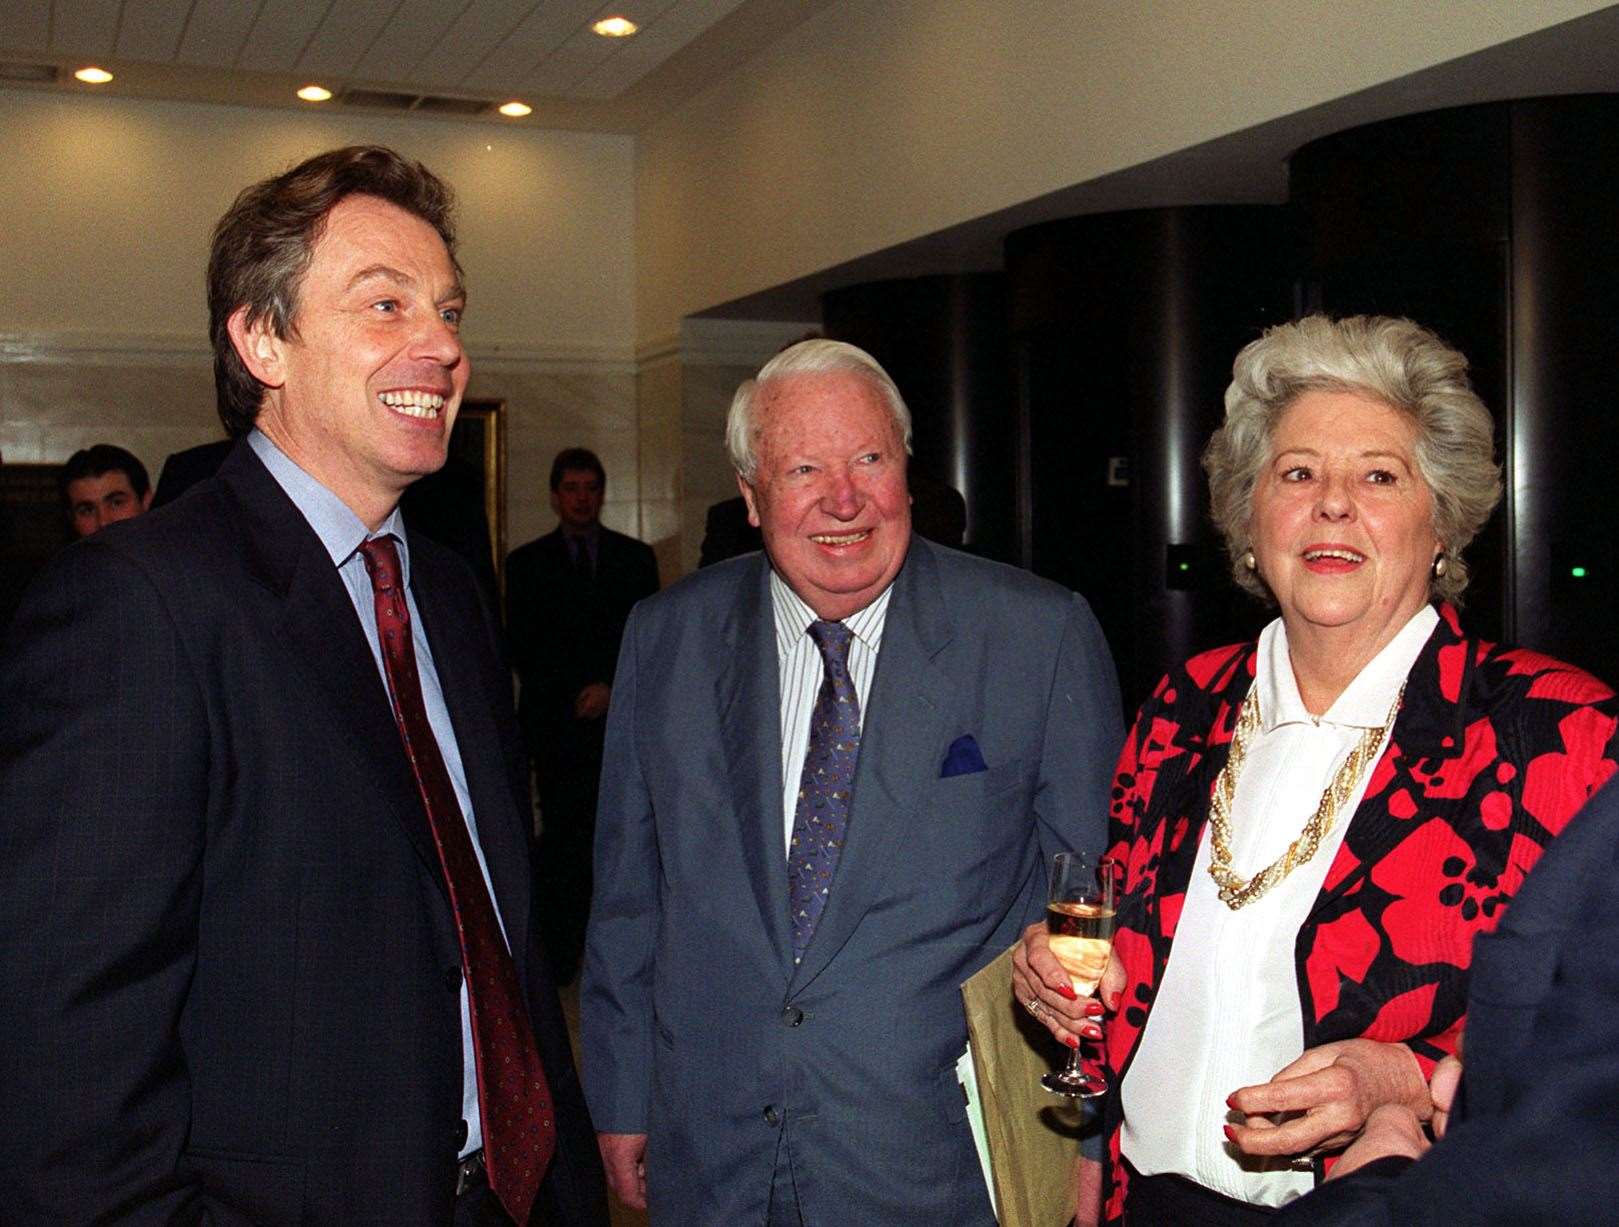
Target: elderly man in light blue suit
{"x":835,"y":774}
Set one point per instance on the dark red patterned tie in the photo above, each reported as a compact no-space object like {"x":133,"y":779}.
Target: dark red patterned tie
{"x":514,"y":1100}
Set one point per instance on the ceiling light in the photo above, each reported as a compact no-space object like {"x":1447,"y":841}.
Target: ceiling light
{"x":516,"y":109}
{"x":91,"y":75}
{"x":315,"y":93}
{"x":615,"y":27}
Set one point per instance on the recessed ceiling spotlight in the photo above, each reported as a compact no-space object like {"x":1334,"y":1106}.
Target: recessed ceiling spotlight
{"x":91,"y":75}
{"x":315,"y":93}
{"x":515,"y":109}
{"x":615,"y":27}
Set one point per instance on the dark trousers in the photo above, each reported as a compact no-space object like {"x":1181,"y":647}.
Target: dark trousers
{"x":479,"y":1207}
{"x":1169,"y":1201}
{"x":569,"y":776}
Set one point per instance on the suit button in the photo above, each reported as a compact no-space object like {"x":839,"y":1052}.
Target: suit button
{"x":792,"y":1016}
{"x":772,"y":1116}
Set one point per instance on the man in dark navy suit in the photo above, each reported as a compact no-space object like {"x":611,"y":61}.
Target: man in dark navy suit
{"x":1534,"y":1129}
{"x":266,"y":938}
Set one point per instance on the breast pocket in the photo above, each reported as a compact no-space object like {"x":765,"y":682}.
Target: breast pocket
{"x":976,"y":825}
{"x":976,"y":788}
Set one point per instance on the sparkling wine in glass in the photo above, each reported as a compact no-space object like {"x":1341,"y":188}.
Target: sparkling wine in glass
{"x":1079,"y":918}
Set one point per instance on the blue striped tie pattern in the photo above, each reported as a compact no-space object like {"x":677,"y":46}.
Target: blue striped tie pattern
{"x":824,"y":790}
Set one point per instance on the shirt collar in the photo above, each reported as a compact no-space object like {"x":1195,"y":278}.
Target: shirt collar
{"x":341,"y":532}
{"x":793,"y":616}
{"x":1364,"y":703}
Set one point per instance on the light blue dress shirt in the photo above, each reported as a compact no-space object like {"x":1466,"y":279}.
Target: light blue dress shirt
{"x":342,"y":532}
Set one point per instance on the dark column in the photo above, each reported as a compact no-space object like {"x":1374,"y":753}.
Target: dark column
{"x":1564,"y":441}
{"x":1124,"y":327}
{"x":1495,"y":226}
{"x":1411,"y":217}
{"x":943,"y":339}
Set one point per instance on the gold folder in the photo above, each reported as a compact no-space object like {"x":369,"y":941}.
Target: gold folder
{"x":1032,"y":1135}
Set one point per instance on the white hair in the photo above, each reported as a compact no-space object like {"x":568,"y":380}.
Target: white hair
{"x":817,"y":356}
{"x":1394,"y":361}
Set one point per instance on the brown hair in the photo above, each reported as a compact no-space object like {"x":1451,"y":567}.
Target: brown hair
{"x":263,"y":244}
{"x":100,"y":459}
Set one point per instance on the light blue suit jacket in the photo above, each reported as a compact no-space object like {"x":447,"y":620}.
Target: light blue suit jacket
{"x":698,"y":1028}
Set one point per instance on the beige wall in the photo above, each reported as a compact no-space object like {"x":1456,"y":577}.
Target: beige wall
{"x":107,"y":208}
{"x":872,"y":123}
{"x":877,"y":121}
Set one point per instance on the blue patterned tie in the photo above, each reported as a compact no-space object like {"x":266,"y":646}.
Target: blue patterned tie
{"x":824,"y":789}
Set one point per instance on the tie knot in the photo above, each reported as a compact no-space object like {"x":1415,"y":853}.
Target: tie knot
{"x":833,"y":639}
{"x":381,"y":562}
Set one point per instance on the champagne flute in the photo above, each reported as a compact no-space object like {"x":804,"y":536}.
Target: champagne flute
{"x":1079,"y":918}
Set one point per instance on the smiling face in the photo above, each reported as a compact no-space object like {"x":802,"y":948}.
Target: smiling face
{"x":829,"y":491}
{"x":363,"y":391}
{"x":1343,"y":522}
{"x":105,"y":498}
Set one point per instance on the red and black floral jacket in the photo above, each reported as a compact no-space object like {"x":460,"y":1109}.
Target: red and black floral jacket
{"x":1493,"y":750}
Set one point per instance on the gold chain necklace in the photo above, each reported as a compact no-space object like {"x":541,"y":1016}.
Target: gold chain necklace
{"x":1234,"y":891}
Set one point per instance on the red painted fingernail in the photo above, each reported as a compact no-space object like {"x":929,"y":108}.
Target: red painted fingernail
{"x":1092,"y":1033}
{"x":1113,"y":1002}
{"x":1230,"y":1133}
{"x":1068,"y":992}
{"x":1231,"y":1100}
{"x":1071,"y":1040}
{"x":1093,"y":1008}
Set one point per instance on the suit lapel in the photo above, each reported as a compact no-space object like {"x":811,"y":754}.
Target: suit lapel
{"x":747,"y":689}
{"x":452,"y":624}
{"x":316,"y":621}
{"x":900,"y":742}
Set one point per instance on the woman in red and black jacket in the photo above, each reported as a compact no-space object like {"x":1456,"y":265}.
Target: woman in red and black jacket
{"x":1312,"y":828}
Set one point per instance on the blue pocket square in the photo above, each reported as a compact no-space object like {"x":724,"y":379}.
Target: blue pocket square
{"x":963,"y":758}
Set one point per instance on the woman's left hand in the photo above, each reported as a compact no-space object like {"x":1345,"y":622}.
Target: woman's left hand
{"x":1326,"y":1096}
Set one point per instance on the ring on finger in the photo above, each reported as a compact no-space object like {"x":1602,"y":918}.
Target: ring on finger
{"x":1034,"y":1006}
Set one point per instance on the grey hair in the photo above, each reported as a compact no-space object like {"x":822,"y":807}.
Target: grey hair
{"x":816,"y":356}
{"x":1393,"y":361}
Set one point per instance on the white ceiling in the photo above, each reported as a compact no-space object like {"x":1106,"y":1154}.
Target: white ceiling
{"x":256,"y":51}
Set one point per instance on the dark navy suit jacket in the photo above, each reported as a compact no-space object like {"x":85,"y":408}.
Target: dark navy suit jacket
{"x":1536,"y":1138}
{"x":227,"y":957}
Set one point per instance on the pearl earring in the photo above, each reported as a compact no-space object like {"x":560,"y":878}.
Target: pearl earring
{"x":1441,"y":564}
{"x":1249,"y":561}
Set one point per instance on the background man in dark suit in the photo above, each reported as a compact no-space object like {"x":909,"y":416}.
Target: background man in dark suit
{"x":1534,"y":1129}
{"x":568,"y":595}
{"x":835,"y":774}
{"x":266,"y":942}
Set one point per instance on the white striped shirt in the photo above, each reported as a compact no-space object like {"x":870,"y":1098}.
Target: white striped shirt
{"x":802,"y":672}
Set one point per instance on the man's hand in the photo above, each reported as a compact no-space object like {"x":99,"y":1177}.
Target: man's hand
{"x":1330,"y":1092}
{"x":1037,"y":977}
{"x":624,"y":1157}
{"x":591,"y":702}
{"x":1392,"y":1129}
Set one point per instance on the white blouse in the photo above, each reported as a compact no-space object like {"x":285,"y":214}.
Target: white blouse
{"x":1227,"y":1014}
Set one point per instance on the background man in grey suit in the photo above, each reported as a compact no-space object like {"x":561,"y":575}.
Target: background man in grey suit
{"x":835,"y":773}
